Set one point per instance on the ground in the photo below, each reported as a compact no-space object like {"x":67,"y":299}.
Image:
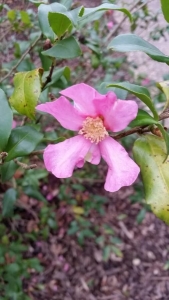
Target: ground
{"x":74,"y":272}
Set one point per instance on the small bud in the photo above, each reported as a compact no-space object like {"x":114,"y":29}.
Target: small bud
{"x":156,"y":131}
{"x":47,"y":44}
{"x":109,"y":12}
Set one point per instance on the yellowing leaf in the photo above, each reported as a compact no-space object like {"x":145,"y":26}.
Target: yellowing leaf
{"x":11,"y":14}
{"x":165,"y":9}
{"x":25,"y":17}
{"x":5,"y":120}
{"x":26,"y":92}
{"x":149,"y":153}
{"x":78,"y":210}
{"x":164,"y":87}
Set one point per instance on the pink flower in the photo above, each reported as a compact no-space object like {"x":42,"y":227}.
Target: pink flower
{"x":92,"y":116}
{"x":110,"y":25}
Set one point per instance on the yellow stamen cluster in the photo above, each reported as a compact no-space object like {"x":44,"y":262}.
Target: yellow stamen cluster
{"x":93,"y":129}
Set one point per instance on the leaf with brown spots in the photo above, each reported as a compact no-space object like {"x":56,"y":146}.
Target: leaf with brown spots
{"x":26,"y":92}
{"x":149,"y":153}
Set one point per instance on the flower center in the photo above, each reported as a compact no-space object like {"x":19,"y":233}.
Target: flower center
{"x":93,"y":130}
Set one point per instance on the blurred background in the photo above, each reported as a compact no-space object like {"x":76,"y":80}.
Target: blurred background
{"x":69,"y":239}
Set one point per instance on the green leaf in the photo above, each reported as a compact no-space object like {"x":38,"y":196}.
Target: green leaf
{"x":25,"y":17}
{"x":121,"y":94}
{"x":67,"y":48}
{"x":141,"y":92}
{"x":149,"y":153}
{"x":108,"y":229}
{"x":100,"y":240}
{"x":22,"y":141}
{"x":17,"y":51}
{"x":57,"y":74}
{"x":32,"y":191}
{"x":91,"y":14}
{"x":67,"y":3}
{"x":166,"y":265}
{"x":34,"y":263}
{"x":13,"y":268}
{"x":8,"y":202}
{"x":132,"y":42}
{"x":32,"y":177}
{"x":59,"y":23}
{"x":46,"y":62}
{"x":106,"y":252}
{"x":73,"y":229}
{"x":52,"y":223}
{"x":38,"y":2}
{"x":165,"y":9}
{"x":11,"y":14}
{"x":141,"y":215}
{"x":44,"y":95}
{"x":143,"y":119}
{"x":117,"y":251}
{"x":115,"y":240}
{"x":6,"y":117}
{"x":43,"y":11}
{"x":75,"y":14}
{"x":166,"y":138}
{"x":26,"y":92}
{"x":7,"y":170}
{"x":164,"y":87}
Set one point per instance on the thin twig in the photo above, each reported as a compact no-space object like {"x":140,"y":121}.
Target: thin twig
{"x":5,"y":33}
{"x":25,"y":118}
{"x":25,"y":166}
{"x":164,"y":115}
{"x":49,"y":77}
{"x":89,"y":75}
{"x":22,"y":58}
{"x":116,"y":28}
{"x":140,"y":129}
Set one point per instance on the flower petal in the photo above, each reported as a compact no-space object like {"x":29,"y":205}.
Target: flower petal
{"x":67,"y":115}
{"x":122,"y":113}
{"x":83,"y":95}
{"x":122,"y":170}
{"x":62,"y":158}
{"x":93,"y":155}
{"x":117,"y":113}
{"x":104,"y":104}
{"x":80,"y":163}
